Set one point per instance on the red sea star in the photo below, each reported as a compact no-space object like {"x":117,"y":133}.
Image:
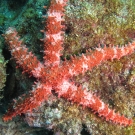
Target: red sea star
{"x":55,"y":74}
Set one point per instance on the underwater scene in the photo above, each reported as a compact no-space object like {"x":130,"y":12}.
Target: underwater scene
{"x":67,"y":67}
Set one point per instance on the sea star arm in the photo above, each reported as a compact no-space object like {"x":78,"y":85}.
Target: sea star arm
{"x":26,"y":60}
{"x":88,"y":99}
{"x":53,"y":33}
{"x":84,"y":63}
{"x":27,"y":103}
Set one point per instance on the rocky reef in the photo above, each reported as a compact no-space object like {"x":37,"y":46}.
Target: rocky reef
{"x":2,"y":75}
{"x":88,"y":23}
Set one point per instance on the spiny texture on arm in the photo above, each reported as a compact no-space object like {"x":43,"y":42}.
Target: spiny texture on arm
{"x":53,"y":39}
{"x":79,"y":65}
{"x":88,"y":99}
{"x":26,"y":60}
{"x":27,"y":103}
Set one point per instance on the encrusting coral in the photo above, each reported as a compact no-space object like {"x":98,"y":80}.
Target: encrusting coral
{"x":92,"y":22}
{"x":2,"y":75}
{"x":16,"y":127}
{"x":55,"y":74}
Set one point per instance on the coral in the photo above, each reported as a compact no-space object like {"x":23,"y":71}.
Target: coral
{"x":56,"y":114}
{"x":98,"y":22}
{"x":2,"y":19}
{"x":2,"y":75}
{"x":16,"y":127}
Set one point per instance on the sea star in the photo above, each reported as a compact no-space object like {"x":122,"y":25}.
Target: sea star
{"x":55,"y":74}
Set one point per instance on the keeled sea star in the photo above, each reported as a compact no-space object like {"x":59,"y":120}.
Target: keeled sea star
{"x":55,"y":74}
